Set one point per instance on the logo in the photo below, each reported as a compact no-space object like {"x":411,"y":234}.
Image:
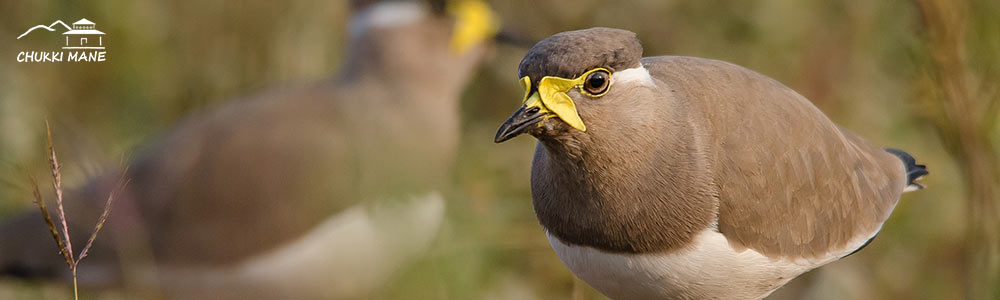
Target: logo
{"x":80,"y":43}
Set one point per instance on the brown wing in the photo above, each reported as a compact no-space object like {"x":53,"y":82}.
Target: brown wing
{"x":236,"y":181}
{"x":790,"y":182}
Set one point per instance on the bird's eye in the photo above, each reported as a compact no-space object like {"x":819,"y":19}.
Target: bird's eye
{"x":596,"y":84}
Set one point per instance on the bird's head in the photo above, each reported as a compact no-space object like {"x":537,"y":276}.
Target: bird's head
{"x":401,"y":38}
{"x":576,"y":80}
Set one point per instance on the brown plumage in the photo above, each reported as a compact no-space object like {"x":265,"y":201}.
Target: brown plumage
{"x":681,"y":147}
{"x":822,"y":184}
{"x":241,"y":182}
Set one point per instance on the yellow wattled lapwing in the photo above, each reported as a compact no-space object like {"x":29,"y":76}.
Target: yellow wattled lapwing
{"x":686,"y":178}
{"x":314,"y":193}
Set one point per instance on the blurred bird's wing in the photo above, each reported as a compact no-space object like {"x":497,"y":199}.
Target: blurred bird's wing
{"x":250,"y":176}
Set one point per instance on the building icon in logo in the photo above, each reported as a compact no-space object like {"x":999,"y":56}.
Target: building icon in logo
{"x":84,"y":36}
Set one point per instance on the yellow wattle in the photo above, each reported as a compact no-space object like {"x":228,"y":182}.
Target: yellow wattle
{"x":552,"y":98}
{"x":553,"y":93}
{"x":474,"y":23}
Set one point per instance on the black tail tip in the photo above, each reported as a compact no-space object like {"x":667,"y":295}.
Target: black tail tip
{"x":913,"y":170}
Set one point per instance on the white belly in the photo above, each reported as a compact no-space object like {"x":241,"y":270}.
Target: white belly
{"x":346,"y":256}
{"x":709,"y":269}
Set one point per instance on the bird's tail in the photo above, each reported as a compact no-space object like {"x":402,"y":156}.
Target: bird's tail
{"x":914,"y":171}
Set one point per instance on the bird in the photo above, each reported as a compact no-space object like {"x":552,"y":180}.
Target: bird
{"x":316,"y":192}
{"x":673,"y":177}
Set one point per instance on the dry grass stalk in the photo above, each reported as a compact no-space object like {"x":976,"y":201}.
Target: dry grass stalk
{"x":964,"y":115}
{"x":62,"y":239}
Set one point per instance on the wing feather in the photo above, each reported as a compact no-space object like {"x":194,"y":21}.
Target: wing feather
{"x":791,"y":183}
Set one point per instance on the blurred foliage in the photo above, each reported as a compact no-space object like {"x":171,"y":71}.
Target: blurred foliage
{"x":883,"y":69}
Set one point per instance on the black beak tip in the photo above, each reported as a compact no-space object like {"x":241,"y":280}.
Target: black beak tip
{"x":519,"y":122}
{"x":500,"y":138}
{"x":513,"y":38}
{"x":503,"y":133}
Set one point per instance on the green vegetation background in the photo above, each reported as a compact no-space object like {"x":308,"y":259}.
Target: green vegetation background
{"x":907,"y":74}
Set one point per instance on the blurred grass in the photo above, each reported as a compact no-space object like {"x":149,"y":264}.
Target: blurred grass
{"x":865,"y":64}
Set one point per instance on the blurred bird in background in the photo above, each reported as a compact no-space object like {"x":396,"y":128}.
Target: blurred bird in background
{"x":318,"y":192}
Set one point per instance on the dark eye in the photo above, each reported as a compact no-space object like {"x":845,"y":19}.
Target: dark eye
{"x":597,"y":83}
